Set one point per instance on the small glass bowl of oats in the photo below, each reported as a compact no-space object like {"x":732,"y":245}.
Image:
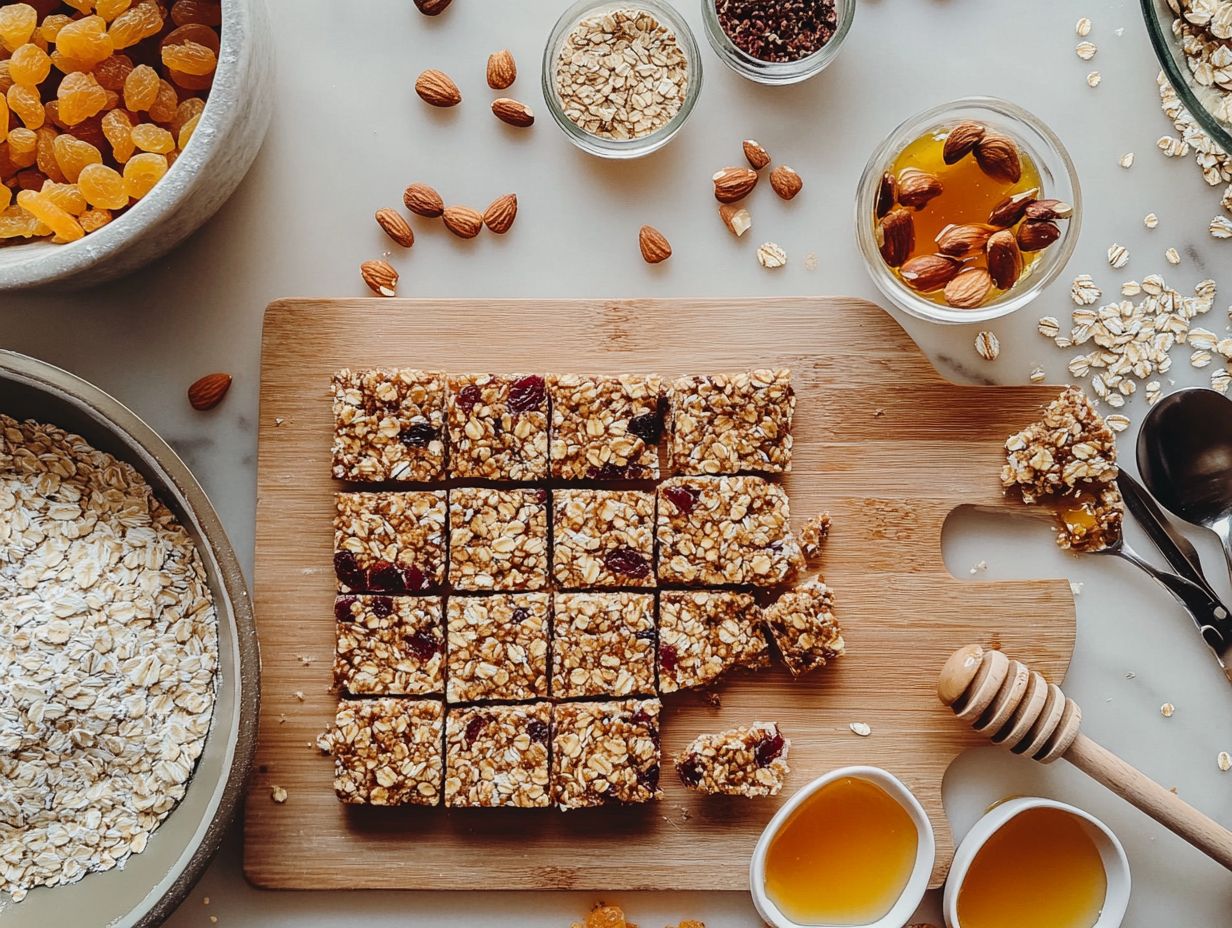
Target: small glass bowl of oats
{"x":621,"y":79}
{"x":967,"y":211}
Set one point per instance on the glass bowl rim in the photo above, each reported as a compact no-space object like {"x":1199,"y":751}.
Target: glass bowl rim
{"x":775,"y":72}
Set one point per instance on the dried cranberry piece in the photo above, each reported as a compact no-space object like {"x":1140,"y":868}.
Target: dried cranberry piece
{"x":648,"y":427}
{"x":768,"y":749}
{"x":382,"y":607}
{"x":385,"y":577}
{"x":541,"y":496}
{"x":520,"y":614}
{"x":610,"y":471}
{"x":538,"y":730}
{"x":473,"y":728}
{"x":690,"y":770}
{"x":642,"y":717}
{"x":627,"y":562}
{"x":683,"y":498}
{"x":527,"y":394}
{"x":424,"y":645}
{"x":468,"y":398}
{"x":348,"y":570}
{"x":418,"y":435}
{"x":414,"y":579}
{"x":667,"y":658}
{"x":342,"y":608}
{"x":649,"y":777}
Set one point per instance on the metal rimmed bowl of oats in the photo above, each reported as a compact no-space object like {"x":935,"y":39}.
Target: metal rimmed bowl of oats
{"x":1193,"y":42}
{"x":128,"y":657}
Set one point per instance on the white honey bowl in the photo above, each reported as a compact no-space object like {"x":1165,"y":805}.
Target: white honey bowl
{"x":921,"y":871}
{"x":1116,"y":864}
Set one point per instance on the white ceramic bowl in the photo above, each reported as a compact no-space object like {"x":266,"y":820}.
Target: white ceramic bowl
{"x":1116,"y":865}
{"x":917,"y":883}
{"x":222,"y":149}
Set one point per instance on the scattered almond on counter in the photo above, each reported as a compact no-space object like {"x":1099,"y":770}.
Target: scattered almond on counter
{"x":432,"y":7}
{"x":733,"y":183}
{"x":785,"y":182}
{"x":502,"y":70}
{"x":655,"y":246}
{"x":736,"y":218}
{"x":380,"y":277}
{"x":462,"y":221}
{"x":499,"y":215}
{"x":395,"y":227}
{"x":207,"y":392}
{"x":422,"y":200}
{"x":513,"y":112}
{"x":437,"y":88}
{"x":757,"y":156}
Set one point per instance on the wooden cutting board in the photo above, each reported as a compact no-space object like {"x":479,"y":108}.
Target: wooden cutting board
{"x":882,"y":442}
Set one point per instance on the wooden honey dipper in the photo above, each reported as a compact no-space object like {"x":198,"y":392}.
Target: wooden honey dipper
{"x":1021,"y":711}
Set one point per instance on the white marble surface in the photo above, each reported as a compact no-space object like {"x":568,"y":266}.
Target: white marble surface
{"x":348,"y":134}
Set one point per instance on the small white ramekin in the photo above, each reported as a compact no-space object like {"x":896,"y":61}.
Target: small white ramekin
{"x":1116,"y":864}
{"x":917,"y":883}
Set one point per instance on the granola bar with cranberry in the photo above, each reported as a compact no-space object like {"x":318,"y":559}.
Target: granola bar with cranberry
{"x":605,"y":753}
{"x":388,"y":752}
{"x":498,"y":756}
{"x":705,"y":633}
{"x":389,"y":424}
{"x":803,"y":628}
{"x":498,"y":427}
{"x":390,"y":645}
{"x":749,"y":761}
{"x":498,"y":539}
{"x":390,"y":542}
{"x":603,"y":644}
{"x":602,"y":538}
{"x":498,"y":647}
{"x":732,"y":423}
{"x":605,"y":428}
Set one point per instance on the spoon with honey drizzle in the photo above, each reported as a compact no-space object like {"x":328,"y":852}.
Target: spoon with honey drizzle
{"x":1018,"y":709}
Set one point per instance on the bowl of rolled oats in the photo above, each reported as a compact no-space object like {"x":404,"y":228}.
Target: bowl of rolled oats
{"x":129,"y":658}
{"x":1193,"y":41}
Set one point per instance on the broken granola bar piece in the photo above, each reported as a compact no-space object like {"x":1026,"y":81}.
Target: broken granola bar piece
{"x":498,"y":647}
{"x":388,"y":752}
{"x":605,"y":753}
{"x":602,"y":538}
{"x":498,"y":756}
{"x":705,"y":633}
{"x":813,"y":535}
{"x":603,"y":644}
{"x":498,"y":539}
{"x":389,"y":645}
{"x":390,"y":542}
{"x":732,"y":423}
{"x":389,"y":424}
{"x":605,"y":428}
{"x":1093,"y":521}
{"x":1071,"y":449}
{"x":750,"y":761}
{"x":803,"y":627}
{"x":498,"y":427}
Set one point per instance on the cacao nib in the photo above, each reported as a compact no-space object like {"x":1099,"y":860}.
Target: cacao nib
{"x":521,"y":614}
{"x":527,"y":394}
{"x":627,"y":562}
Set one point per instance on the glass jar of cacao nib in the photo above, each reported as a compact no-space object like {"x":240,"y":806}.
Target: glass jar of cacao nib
{"x":777,"y":41}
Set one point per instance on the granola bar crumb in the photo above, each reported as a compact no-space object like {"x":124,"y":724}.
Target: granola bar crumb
{"x":278,"y":795}
{"x":750,"y":761}
{"x":1070,"y":448}
{"x":813,"y":535}
{"x":803,"y":628}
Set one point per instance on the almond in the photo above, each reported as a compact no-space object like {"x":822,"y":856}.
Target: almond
{"x":380,"y":277}
{"x":502,"y":69}
{"x":786,"y":182}
{"x":998,"y":158}
{"x":968,"y":238}
{"x":1012,"y":208}
{"x":462,"y":221}
{"x":513,"y":112}
{"x":432,"y":7}
{"x":208,"y":391}
{"x":1037,"y":234}
{"x":655,"y":246}
{"x":736,"y":218}
{"x":499,"y":215}
{"x":916,"y":187}
{"x":395,"y":227}
{"x":732,"y":184}
{"x":1049,"y":209}
{"x":927,"y":273}
{"x":895,"y":236}
{"x":969,"y":289}
{"x":758,"y":156}
{"x":422,"y":200}
{"x":1004,"y":259}
{"x":887,"y":195}
{"x":961,"y":140}
{"x":437,"y":88}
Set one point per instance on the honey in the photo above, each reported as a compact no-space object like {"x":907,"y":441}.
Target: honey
{"x":843,"y":857}
{"x":1041,"y":869}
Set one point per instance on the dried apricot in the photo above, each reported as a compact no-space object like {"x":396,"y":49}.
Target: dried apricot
{"x":187,"y":130}
{"x":94,"y":219}
{"x":27,"y":105}
{"x":23,"y":146}
{"x":103,"y":187}
{"x":163,"y":109}
{"x":80,"y":97}
{"x":196,"y":11}
{"x":66,"y":196}
{"x":112,"y":72}
{"x":142,"y":172}
{"x":41,"y":207}
{"x":134,"y":24}
{"x":85,"y":40}
{"x":118,"y":129}
{"x":17,"y":23}
{"x":141,"y":88}
{"x":72,"y":155}
{"x":110,"y":9}
{"x":29,"y":65}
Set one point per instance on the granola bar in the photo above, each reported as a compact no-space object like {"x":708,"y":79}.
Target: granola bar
{"x":605,"y":428}
{"x":498,"y":427}
{"x":498,"y":647}
{"x":732,"y":423}
{"x":602,"y":538}
{"x":605,"y":752}
{"x":389,"y":646}
{"x":749,"y":761}
{"x":716,"y":531}
{"x":498,"y":539}
{"x":705,"y":633}
{"x":498,"y":756}
{"x":1068,"y":450}
{"x":387,"y":752}
{"x":389,"y":425}
{"x":803,"y":627}
{"x":603,"y":644}
{"x":390,"y":542}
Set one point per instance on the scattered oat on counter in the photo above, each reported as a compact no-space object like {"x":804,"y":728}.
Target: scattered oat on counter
{"x":1037,"y":375}
{"x":1224,"y":760}
{"x":980,"y":567}
{"x":1221,"y":227}
{"x":1167,"y":710}
{"x":987,"y":346}
{"x":1172,"y":256}
{"x":1085,"y":50}
{"x":1093,"y":79}
{"x":1118,"y":256}
{"x":1083,"y":28}
{"x":1083,"y":291}
{"x":863,"y":729}
{"x":771,"y":256}
{"x":1150,"y":220}
{"x":1127,"y":159}
{"x":278,"y":794}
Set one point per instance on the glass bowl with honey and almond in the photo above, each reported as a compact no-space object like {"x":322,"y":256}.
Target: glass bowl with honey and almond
{"x":967,"y":211}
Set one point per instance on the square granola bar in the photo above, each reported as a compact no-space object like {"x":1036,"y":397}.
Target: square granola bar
{"x":602,"y":538}
{"x":390,"y":646}
{"x":803,"y":627}
{"x":390,"y":542}
{"x":705,"y":633}
{"x":732,"y":423}
{"x":498,"y":539}
{"x":389,"y":425}
{"x":716,"y":531}
{"x":605,"y":752}
{"x":498,"y":647}
{"x":388,"y":752}
{"x":603,"y":644}
{"x":606,"y":428}
{"x":498,"y":756}
{"x":498,"y":427}
{"x":749,"y":761}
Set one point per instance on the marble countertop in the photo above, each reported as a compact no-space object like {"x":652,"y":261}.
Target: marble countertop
{"x":348,"y":134}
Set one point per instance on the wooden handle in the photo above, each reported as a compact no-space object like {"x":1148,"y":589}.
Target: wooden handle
{"x":1164,"y":806}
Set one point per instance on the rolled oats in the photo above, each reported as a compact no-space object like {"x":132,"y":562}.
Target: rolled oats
{"x":1127,"y":159}
{"x":1083,"y":291}
{"x":388,"y":752}
{"x":987,"y":346}
{"x":749,"y":761}
{"x":603,"y":644}
{"x":603,"y":538}
{"x":1083,"y":29}
{"x":1173,"y":256}
{"x":705,"y":633}
{"x":1094,"y":78}
{"x":498,"y":756}
{"x":498,"y":539}
{"x":1150,"y":220}
{"x":803,"y":628}
{"x":1118,"y":256}
{"x":390,"y":542}
{"x":389,"y":646}
{"x":498,"y":647}
{"x":389,"y":425}
{"x":1221,"y":227}
{"x":605,"y":428}
{"x":731,"y":423}
{"x":498,"y":427}
{"x":1085,"y":50}
{"x":605,"y":753}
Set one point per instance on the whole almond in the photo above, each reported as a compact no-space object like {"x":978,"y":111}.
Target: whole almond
{"x":513,"y":112}
{"x":207,"y":392}
{"x":655,"y":246}
{"x":1037,"y":234}
{"x":502,"y":69}
{"x":1012,"y":208}
{"x":499,"y":215}
{"x":998,"y":158}
{"x":916,"y":187}
{"x":1004,"y":259}
{"x":961,"y":140}
{"x":1049,"y":209}
{"x":380,"y":277}
{"x":927,"y":273}
{"x":969,"y":289}
{"x":757,"y":155}
{"x":887,"y":194}
{"x":736,"y":218}
{"x":462,"y":221}
{"x":437,"y":88}
{"x":422,"y":200}
{"x":732,"y":184}
{"x":395,"y":227}
{"x":895,"y":236}
{"x":786,"y":182}
{"x":968,"y":238}
{"x":432,"y":7}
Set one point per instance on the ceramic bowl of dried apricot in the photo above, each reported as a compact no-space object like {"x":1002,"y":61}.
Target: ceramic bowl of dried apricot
{"x":125,"y":125}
